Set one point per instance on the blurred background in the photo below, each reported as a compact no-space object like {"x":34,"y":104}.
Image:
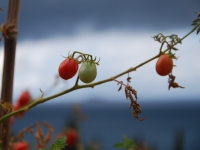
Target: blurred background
{"x":120,"y":33}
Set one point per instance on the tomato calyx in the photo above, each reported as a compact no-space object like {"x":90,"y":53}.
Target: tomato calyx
{"x":84,"y":57}
{"x":172,"y":55}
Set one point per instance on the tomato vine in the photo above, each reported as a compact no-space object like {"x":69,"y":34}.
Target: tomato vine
{"x":92,"y":85}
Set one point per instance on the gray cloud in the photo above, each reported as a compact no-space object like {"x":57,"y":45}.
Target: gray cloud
{"x":44,"y":18}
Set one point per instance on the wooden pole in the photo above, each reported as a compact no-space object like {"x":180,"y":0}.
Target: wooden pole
{"x":10,"y":32}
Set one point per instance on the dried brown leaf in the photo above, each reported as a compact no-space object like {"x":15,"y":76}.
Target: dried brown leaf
{"x":134,"y":92}
{"x":172,"y":83}
{"x":129,"y":79}
{"x":49,"y":134}
{"x":119,"y":82}
{"x":175,"y":85}
{"x":129,"y":92}
{"x":20,"y":136}
{"x":7,"y":106}
{"x":136,"y":115}
{"x":40,"y":131}
{"x":28,"y":130}
{"x":126,"y":92}
{"x":120,"y":88}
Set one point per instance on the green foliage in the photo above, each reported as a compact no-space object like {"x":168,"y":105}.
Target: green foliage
{"x":60,"y":143}
{"x":127,"y":144}
{"x":196,"y":23}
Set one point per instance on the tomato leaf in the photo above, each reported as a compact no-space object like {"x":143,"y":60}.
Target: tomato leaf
{"x":60,"y":143}
{"x":127,"y":144}
{"x":198,"y":30}
{"x":119,"y":145}
{"x":198,"y":13}
{"x":197,"y":20}
{"x":194,"y":23}
{"x":54,"y":147}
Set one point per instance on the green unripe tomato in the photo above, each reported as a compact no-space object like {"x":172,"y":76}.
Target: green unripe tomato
{"x":88,"y":71}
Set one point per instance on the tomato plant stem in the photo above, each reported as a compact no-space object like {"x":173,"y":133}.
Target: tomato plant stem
{"x":91,"y":85}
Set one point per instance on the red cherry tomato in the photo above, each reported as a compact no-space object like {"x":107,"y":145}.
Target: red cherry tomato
{"x":68,"y":68}
{"x":21,"y":146}
{"x":24,"y":98}
{"x":12,"y":120}
{"x":164,"y":65}
{"x":72,"y":137}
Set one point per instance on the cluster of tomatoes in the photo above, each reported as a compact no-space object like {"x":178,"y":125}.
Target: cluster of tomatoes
{"x":164,"y":65}
{"x":69,"y":67}
{"x":88,"y":71}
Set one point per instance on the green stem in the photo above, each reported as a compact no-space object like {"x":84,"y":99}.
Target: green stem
{"x":84,"y":55}
{"x":76,"y":83}
{"x":92,"y":85}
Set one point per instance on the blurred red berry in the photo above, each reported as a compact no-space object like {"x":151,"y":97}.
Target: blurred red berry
{"x":12,"y":120}
{"x":17,"y":106}
{"x":21,"y":146}
{"x":24,"y":98}
{"x":72,"y":137}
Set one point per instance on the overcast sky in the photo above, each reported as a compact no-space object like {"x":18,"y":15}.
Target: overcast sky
{"x":117,"y":31}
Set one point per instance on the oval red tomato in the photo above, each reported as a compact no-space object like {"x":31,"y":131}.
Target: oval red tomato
{"x":164,"y":65}
{"x":21,"y":146}
{"x":24,"y":98}
{"x":88,"y":71}
{"x":72,"y":137}
{"x":68,"y":68}
{"x":12,"y":120}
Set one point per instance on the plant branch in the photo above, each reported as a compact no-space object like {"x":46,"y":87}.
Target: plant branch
{"x":91,"y":85}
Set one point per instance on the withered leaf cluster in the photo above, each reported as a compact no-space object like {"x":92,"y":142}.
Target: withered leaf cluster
{"x":131,"y":94}
{"x":38,"y":130}
{"x":172,"y":83}
{"x":7,"y":106}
